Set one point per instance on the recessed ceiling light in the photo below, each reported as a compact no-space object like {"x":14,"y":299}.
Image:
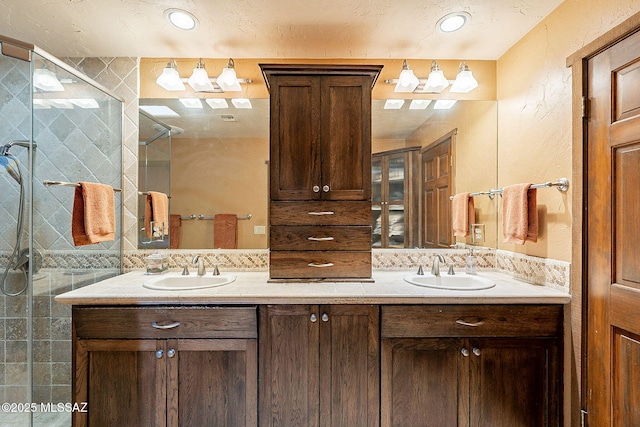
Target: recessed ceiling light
{"x":191,"y":102}
{"x":419,"y":104}
{"x":181,"y":19}
{"x":453,"y":21}
{"x":393,"y":104}
{"x":241,"y":103}
{"x":159,"y":111}
{"x":444,"y":104}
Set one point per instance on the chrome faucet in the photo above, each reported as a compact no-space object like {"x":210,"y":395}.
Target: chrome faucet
{"x":435,"y":267}
{"x":200,"y":261}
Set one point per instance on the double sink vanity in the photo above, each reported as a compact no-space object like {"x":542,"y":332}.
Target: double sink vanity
{"x":240,"y":350}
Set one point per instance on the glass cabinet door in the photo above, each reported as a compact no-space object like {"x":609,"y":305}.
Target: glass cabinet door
{"x":395,"y":201}
{"x":376,"y":202}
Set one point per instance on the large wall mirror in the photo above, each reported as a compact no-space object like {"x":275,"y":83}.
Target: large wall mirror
{"x":219,"y":165}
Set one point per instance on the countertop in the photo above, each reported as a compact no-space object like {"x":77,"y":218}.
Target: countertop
{"x":388,"y":287}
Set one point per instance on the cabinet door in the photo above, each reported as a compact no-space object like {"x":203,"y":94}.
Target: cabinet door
{"x":346,"y":138}
{"x":295,"y":138}
{"x":289,"y":360}
{"x":123,"y":382}
{"x":349,"y":366}
{"x":514,"y":382}
{"x":212,"y":382}
{"x":424,"y":383}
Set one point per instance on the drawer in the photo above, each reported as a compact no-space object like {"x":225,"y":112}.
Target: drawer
{"x":471,"y":321}
{"x":178,"y":322}
{"x":320,"y":238}
{"x":320,"y":213}
{"x":319,"y":264}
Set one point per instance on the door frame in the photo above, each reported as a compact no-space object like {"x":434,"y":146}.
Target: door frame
{"x":579,"y":290}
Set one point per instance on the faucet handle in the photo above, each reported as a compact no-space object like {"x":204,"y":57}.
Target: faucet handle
{"x":216,"y":272}
{"x":451,"y":271}
{"x":420,"y":271}
{"x":185,"y":269}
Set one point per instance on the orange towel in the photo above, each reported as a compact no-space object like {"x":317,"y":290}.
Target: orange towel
{"x":463,"y":214}
{"x":519,"y":214}
{"x":94,"y":217}
{"x":225,"y":231}
{"x":156,"y":209}
{"x":174,"y":231}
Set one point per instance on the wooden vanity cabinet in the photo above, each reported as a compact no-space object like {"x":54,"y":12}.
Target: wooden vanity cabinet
{"x":165,"y":366}
{"x":497,"y":366}
{"x":319,"y":365}
{"x":320,"y":165}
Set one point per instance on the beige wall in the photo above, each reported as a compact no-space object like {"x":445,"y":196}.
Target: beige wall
{"x":234,"y":183}
{"x":534,"y":111}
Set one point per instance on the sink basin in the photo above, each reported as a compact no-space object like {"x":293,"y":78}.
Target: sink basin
{"x":458,"y":282}
{"x":192,"y":281}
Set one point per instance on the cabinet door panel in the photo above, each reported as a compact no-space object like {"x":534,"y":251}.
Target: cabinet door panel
{"x":295,"y":122}
{"x":122,"y":381}
{"x":346,"y":137}
{"x":511,"y":383}
{"x":289,"y":357}
{"x":216,"y":383}
{"x":349,"y":366}
{"x":424,"y":383}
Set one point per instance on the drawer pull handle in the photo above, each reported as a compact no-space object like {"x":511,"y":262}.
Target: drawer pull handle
{"x":169,"y":326}
{"x":320,"y":239}
{"x":472,"y":324}
{"x":326,"y":264}
{"x":322,"y":213}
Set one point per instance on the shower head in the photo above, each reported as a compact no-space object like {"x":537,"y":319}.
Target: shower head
{"x":10,"y":164}
{"x":4,"y":150}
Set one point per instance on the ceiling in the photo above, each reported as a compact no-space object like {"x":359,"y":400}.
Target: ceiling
{"x":272,"y":28}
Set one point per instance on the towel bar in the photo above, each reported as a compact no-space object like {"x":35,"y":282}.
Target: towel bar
{"x":561,"y":184}
{"x":70,"y":184}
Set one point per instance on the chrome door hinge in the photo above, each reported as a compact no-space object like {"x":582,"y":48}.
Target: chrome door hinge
{"x":586,"y":106}
{"x":583,"y":418}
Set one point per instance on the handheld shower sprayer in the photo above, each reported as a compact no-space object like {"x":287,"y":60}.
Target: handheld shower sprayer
{"x":4,"y":151}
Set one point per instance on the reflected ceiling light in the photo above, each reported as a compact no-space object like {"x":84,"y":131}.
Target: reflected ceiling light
{"x":407,"y":82}
{"x":393,"y":104}
{"x":444,"y":104}
{"x":436,"y":82}
{"x":41,"y":104}
{"x":419,"y":104}
{"x":199,"y":79}
{"x":465,"y":82}
{"x":46,"y":80}
{"x":217,"y":103}
{"x":453,"y":21}
{"x":170,"y":79}
{"x":88,"y":103}
{"x":181,"y":19}
{"x":241,"y":103}
{"x":62,"y":104}
{"x":159,"y":111}
{"x":191,"y":102}
{"x":228,"y":80}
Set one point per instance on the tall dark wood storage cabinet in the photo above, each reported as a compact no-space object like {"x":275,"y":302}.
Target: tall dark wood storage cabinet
{"x":320,"y":170}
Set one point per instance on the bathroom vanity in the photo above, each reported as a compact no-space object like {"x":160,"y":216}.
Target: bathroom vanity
{"x":250,"y":353}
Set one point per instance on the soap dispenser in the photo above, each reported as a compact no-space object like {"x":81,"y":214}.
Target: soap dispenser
{"x":470,"y":263}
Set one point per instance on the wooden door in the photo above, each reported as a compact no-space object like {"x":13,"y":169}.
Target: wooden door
{"x":424,"y":383}
{"x":346,"y":138}
{"x":289,"y":360}
{"x":122,"y":381}
{"x":349,"y":366}
{"x":514,"y":382}
{"x":436,"y":189}
{"x":212,"y":382}
{"x":295,"y":138}
{"x":612,"y":200}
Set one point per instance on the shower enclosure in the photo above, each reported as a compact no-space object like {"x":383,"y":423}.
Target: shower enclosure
{"x":55,"y":125}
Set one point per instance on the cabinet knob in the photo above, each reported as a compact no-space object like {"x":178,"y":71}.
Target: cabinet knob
{"x":477,"y":351}
{"x":465,"y":352}
{"x":171,"y":352}
{"x":314,"y":318}
{"x":325,"y":188}
{"x":316,"y":189}
{"x":159,"y":354}
{"x":325,"y":317}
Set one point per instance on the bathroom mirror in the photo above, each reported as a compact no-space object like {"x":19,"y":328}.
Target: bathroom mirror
{"x":219,"y":160}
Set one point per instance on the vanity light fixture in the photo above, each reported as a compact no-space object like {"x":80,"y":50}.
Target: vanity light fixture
{"x":436,"y":82}
{"x":199,"y":79}
{"x":170,"y":79}
{"x":191,"y":102}
{"x":407,"y":82}
{"x":393,"y":104}
{"x":217,"y":103}
{"x":465,"y":82}
{"x":181,"y":19}
{"x":444,"y":104}
{"x":228,"y":80}
{"x":419,"y":104}
{"x":46,"y":80}
{"x":242,"y":103}
{"x":453,"y":21}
